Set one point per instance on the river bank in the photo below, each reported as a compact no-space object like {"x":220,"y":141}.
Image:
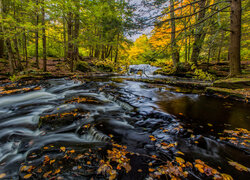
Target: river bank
{"x":232,"y":88}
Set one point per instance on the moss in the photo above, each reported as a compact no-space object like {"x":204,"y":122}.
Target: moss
{"x":237,"y":94}
{"x":83,"y":66}
{"x":233,"y":83}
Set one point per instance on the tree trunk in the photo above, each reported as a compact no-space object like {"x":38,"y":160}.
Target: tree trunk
{"x":64,"y":40}
{"x":235,"y":37}
{"x":25,"y":48}
{"x":1,"y":43}
{"x":221,"y":45}
{"x":70,"y":45}
{"x":19,"y":65}
{"x":76,"y":32}
{"x":175,"y":53}
{"x":200,"y":34}
{"x":44,"y":38}
{"x":15,"y":40}
{"x":117,"y":48}
{"x":37,"y":36}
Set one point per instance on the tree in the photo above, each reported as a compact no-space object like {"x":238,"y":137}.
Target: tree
{"x":44,"y":37}
{"x":37,"y":34}
{"x":175,"y":53}
{"x":199,"y":34}
{"x":235,"y":38}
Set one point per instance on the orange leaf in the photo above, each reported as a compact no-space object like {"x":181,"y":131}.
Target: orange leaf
{"x":151,"y":169}
{"x":200,"y":167}
{"x":46,"y":158}
{"x":2,"y":175}
{"x":45,"y":175}
{"x":27,"y":176}
{"x":39,"y":170}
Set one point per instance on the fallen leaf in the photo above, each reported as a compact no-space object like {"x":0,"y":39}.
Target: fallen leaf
{"x":151,"y":169}
{"x":63,"y":148}
{"x":45,"y":175}
{"x":2,"y":175}
{"x":180,"y":160}
{"x":57,"y":171}
{"x":179,"y":152}
{"x":226,"y":177}
{"x":199,"y":167}
{"x":27,"y":176}
{"x":52,"y":161}
{"x":238,"y":166}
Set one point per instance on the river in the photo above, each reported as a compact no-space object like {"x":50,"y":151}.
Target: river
{"x":65,"y":127}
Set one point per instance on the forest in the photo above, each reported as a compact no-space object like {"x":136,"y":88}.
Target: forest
{"x":124,"y":89}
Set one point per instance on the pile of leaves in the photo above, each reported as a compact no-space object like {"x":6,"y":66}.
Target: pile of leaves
{"x":239,"y":137}
{"x":13,"y":89}
{"x":117,"y":160}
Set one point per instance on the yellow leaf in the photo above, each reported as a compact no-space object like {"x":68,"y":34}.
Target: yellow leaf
{"x":199,"y":167}
{"x":63,"y":148}
{"x":27,"y":176}
{"x":57,"y":171}
{"x":238,"y":166}
{"x":226,"y":177}
{"x":2,"y":175}
{"x":180,"y":160}
{"x":179,"y":152}
{"x":52,"y":161}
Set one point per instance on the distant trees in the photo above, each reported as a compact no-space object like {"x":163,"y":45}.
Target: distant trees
{"x":65,"y":28}
{"x":200,"y":22}
{"x":189,"y":30}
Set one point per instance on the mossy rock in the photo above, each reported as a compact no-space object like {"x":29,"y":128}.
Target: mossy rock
{"x":83,"y":66}
{"x":233,"y":83}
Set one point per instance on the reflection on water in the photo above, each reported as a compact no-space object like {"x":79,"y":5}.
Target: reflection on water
{"x":205,"y":110}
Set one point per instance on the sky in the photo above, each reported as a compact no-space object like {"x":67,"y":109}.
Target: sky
{"x":145,"y":12}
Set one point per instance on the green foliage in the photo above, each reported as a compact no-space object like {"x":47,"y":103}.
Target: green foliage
{"x":200,"y":74}
{"x":105,"y":65}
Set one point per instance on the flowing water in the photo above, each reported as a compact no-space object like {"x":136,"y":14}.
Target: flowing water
{"x":84,"y":117}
